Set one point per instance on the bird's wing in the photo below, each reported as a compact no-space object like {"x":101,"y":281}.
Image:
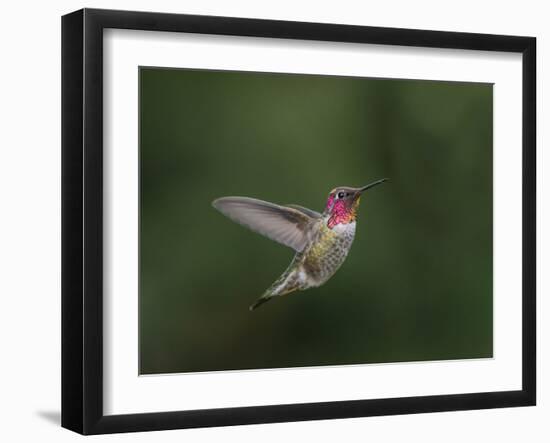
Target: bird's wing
{"x":310,"y":212}
{"x":280,"y":223}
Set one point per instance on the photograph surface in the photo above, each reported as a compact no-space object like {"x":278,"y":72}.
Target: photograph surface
{"x":361,"y":209}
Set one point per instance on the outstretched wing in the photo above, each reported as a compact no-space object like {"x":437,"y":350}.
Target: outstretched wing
{"x":307,"y":211}
{"x":280,"y":223}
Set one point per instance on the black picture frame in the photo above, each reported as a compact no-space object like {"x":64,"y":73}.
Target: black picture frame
{"x":82,"y":221}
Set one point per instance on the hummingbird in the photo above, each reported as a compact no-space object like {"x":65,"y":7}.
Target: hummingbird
{"x":321,"y":240}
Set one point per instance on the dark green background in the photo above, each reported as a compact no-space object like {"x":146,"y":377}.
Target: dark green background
{"x":417,"y":284}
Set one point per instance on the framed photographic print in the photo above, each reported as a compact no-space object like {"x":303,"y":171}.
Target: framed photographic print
{"x":269,"y":221}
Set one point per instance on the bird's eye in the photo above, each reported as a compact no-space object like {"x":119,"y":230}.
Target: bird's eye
{"x":341,"y":194}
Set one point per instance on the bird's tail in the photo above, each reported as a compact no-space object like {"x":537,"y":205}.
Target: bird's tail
{"x":263,"y":299}
{"x":271,"y":292}
{"x":285,"y":283}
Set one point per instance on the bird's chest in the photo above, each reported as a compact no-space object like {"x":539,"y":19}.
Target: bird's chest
{"x":329,"y":251}
{"x":341,"y":241}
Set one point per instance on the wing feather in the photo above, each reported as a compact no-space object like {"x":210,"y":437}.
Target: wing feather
{"x":282,"y":224}
{"x":310,"y":212}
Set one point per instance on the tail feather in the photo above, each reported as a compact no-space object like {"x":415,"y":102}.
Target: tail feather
{"x":288,"y":282}
{"x":263,"y":299}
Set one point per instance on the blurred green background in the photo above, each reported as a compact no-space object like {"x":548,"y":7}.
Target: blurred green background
{"x":417,"y":284}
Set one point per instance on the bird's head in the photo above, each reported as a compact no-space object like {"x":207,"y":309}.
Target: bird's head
{"x":343,"y":201}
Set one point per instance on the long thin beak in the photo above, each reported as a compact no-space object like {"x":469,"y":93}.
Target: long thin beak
{"x":371,"y":185}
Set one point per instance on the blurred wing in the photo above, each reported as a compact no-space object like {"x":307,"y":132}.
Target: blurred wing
{"x":310,"y":212}
{"x":280,"y":223}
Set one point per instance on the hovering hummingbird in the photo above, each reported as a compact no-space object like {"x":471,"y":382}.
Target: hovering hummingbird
{"x":321,"y":241}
